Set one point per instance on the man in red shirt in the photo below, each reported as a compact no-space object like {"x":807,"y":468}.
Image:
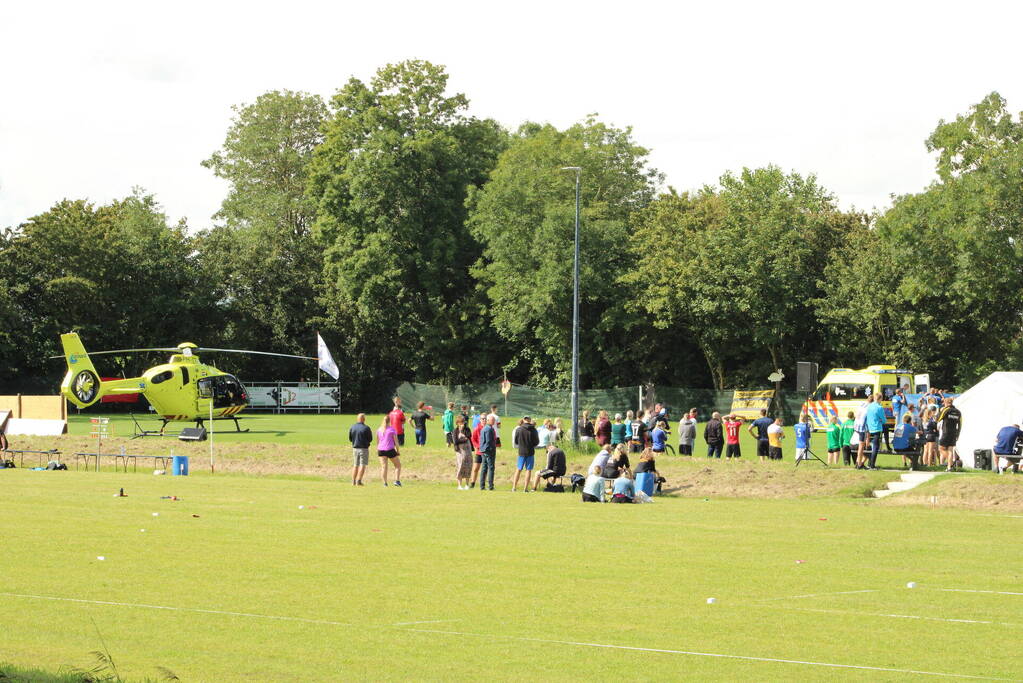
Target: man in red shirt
{"x":477,"y":459}
{"x":732,"y":425}
{"x":397,"y":419}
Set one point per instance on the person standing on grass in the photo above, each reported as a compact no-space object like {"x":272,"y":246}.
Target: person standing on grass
{"x":687,"y":433}
{"x":388,"y":451}
{"x":876,"y":421}
{"x":775,"y":435}
{"x":629,"y":416}
{"x":801,"y":433}
{"x":637,"y":429}
{"x":758,"y":430}
{"x":585,"y":427}
{"x":834,"y":432}
{"x":732,"y":425}
{"x":847,"y":434}
{"x":618,"y":430}
{"x":525,"y":441}
{"x":419,"y":419}
{"x":496,"y":424}
{"x":950,"y":424}
{"x":465,"y":415}
{"x":360,"y":436}
{"x":714,"y":436}
{"x":477,"y":460}
{"x":899,"y":405}
{"x":447,"y":423}
{"x":461,"y":440}
{"x":860,"y":427}
{"x":397,"y":420}
{"x":602,"y":430}
{"x":488,"y":447}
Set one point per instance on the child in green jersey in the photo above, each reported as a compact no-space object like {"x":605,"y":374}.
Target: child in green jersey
{"x":847,"y":435}
{"x":834,"y":432}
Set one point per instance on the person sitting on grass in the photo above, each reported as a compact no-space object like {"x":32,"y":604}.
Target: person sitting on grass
{"x":556,"y":468}
{"x":904,"y":440}
{"x":593,"y":489}
{"x":600,"y":459}
{"x":387,"y":449}
{"x":659,"y":437}
{"x":624,"y":490}
{"x":834,"y":440}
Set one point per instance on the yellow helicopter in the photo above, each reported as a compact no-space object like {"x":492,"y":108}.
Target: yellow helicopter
{"x":181,"y":390}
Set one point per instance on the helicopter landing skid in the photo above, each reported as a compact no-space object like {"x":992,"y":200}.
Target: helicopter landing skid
{"x":199,"y":423}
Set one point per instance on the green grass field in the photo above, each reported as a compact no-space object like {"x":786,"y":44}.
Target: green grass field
{"x":284,"y":578}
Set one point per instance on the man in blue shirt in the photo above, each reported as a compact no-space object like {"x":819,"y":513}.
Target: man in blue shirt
{"x":802,"y":433}
{"x":904,"y":440}
{"x":1005,"y":444}
{"x":876,"y":420}
{"x":758,"y":430}
{"x":488,"y":447}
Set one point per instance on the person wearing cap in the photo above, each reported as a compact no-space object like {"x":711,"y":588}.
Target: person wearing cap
{"x":525,"y":439}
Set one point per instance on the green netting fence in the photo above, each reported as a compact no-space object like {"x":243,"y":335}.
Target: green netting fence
{"x":524,"y":400}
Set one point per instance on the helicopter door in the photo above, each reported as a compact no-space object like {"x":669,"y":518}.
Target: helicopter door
{"x":204,"y":394}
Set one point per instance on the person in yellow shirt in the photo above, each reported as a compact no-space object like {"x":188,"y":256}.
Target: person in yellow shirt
{"x":775,"y":434}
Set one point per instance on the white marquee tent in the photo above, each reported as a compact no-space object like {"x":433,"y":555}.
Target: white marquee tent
{"x":989,"y":405}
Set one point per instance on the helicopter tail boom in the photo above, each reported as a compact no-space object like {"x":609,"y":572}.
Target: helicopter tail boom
{"x":82,"y":384}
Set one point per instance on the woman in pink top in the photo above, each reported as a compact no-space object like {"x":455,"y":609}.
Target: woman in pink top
{"x":387,"y":449}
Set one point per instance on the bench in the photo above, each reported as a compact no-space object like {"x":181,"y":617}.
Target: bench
{"x":120,"y":458}
{"x":52,"y":454}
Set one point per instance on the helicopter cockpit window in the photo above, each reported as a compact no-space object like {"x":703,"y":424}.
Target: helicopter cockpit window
{"x":162,"y":377}
{"x":225,"y":390}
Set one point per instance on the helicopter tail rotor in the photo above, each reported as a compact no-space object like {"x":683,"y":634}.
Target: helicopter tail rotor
{"x":82,"y":384}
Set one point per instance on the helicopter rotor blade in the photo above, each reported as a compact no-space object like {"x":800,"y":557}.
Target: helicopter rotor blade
{"x":204,"y":349}
{"x":101,"y":353}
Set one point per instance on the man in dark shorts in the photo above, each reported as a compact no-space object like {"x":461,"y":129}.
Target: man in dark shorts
{"x":950,"y":424}
{"x":397,"y":420}
{"x":758,"y":430}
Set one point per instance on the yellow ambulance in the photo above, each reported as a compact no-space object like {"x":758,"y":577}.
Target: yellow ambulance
{"x":843,"y":390}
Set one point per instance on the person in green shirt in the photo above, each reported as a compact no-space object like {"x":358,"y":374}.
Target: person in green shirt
{"x":847,"y":434}
{"x":447,"y":422}
{"x":834,"y":432}
{"x":618,"y":430}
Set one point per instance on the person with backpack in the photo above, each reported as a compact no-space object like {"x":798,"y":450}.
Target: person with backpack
{"x":713,"y":434}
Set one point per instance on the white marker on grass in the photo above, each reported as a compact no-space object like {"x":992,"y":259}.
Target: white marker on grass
{"x":911,"y":584}
{"x":100,"y":558}
{"x":711,"y":601}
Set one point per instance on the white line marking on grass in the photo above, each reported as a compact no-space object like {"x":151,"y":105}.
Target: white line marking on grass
{"x":179,"y":609}
{"x":894,"y":616}
{"x":711,"y":654}
{"x":817,"y":595}
{"x":430,"y":621}
{"x":505,"y":637}
{"x":966,"y":590}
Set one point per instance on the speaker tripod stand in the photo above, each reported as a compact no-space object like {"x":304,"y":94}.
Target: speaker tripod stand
{"x":809,"y":454}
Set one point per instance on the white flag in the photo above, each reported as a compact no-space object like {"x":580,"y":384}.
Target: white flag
{"x":327,"y":363}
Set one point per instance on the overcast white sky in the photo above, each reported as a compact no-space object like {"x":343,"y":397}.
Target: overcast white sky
{"x":96,"y":97}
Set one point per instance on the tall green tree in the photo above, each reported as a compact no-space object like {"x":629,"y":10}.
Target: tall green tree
{"x":119,"y":274}
{"x":390,"y":183}
{"x":738,"y":268}
{"x":263,"y":257}
{"x":937,"y":287}
{"x":525,"y":217}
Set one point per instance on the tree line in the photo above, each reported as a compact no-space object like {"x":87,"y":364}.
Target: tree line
{"x":428,"y":244}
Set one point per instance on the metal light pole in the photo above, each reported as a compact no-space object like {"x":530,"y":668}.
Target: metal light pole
{"x":575,"y":315}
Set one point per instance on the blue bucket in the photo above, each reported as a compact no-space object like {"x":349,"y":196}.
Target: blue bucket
{"x":179,"y":465}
